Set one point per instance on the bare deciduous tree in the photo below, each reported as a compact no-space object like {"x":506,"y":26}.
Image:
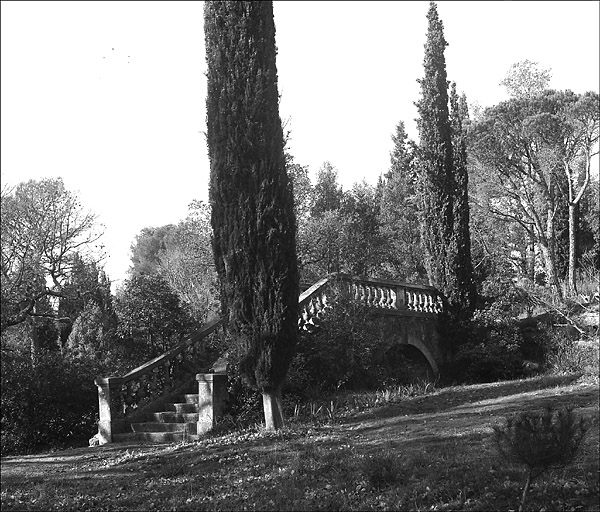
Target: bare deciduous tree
{"x":44,"y":227}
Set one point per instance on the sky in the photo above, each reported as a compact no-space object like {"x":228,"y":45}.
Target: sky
{"x":110,"y":96}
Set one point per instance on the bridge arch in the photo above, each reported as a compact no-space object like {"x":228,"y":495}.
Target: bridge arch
{"x":428,"y":355}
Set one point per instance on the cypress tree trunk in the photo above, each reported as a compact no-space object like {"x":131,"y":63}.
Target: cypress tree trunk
{"x":272,"y":407}
{"x":254,"y":226}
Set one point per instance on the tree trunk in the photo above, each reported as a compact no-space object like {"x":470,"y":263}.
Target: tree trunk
{"x":549,"y":253}
{"x":272,"y":409}
{"x":530,"y":258}
{"x":572,"y":285}
{"x":550,"y":267}
{"x":524,"y":496}
{"x":34,"y":348}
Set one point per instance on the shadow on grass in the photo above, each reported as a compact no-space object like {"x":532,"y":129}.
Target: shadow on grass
{"x":455,"y":397}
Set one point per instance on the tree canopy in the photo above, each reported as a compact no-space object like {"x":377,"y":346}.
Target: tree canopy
{"x":45,"y":232}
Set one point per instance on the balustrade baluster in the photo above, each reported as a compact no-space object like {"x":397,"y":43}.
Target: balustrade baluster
{"x":303,"y":317}
{"x":439,"y":304}
{"x":123,"y":398}
{"x":384,"y":298}
{"x":154,"y":385}
{"x":313,"y":308}
{"x":167,"y":371}
{"x":393,"y":299}
{"x":373,"y":296}
{"x":319,"y":304}
{"x":129,"y":398}
{"x":142,"y":393}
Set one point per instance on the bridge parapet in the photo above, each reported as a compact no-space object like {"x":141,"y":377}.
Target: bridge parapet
{"x":389,"y":297}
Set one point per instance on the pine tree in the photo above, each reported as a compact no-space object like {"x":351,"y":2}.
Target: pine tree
{"x":253,"y":219}
{"x":442,"y":180}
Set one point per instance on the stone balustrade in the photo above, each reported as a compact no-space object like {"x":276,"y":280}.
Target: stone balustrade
{"x":312,"y":304}
{"x":401,"y":298}
{"x":390,"y":296}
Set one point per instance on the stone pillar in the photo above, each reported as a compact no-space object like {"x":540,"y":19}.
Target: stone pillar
{"x":400,"y":298}
{"x":212,"y":393}
{"x":111,"y":416}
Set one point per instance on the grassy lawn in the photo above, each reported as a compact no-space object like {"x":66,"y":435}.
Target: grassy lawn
{"x":432,"y":452}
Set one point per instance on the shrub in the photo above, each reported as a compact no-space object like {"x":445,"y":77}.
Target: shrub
{"x":51,"y":403}
{"x":492,"y":350}
{"x":346,"y":352}
{"x":243,"y":407}
{"x":383,"y":470}
{"x":563,"y":353}
{"x":540,"y":441}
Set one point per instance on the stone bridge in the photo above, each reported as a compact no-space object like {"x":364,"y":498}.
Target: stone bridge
{"x":404,"y":313}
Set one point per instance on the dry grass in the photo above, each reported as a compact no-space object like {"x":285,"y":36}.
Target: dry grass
{"x":431,"y":452}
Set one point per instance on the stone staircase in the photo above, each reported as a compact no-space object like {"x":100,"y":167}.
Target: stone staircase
{"x":170,"y":399}
{"x":177,"y":423}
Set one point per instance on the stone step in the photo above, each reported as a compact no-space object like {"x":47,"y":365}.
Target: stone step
{"x":154,"y":437}
{"x":182,"y":407}
{"x":164,"y":427}
{"x":173,"y":417}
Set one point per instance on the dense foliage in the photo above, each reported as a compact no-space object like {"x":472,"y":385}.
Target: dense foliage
{"x":531,"y":161}
{"x":50,"y":402}
{"x":253,"y":218}
{"x":532,"y":227}
{"x":442,"y":179}
{"x":151,"y":317}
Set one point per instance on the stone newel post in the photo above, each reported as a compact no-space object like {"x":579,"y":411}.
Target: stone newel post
{"x":111,"y":415}
{"x":212,"y":391}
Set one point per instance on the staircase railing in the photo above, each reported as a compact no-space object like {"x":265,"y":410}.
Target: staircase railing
{"x":120,"y":398}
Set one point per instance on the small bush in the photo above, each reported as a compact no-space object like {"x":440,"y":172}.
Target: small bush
{"x":540,"y":441}
{"x":383,"y":470}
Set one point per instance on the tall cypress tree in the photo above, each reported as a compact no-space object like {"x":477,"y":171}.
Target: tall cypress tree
{"x":254,"y":225}
{"x":443,"y":180}
{"x":463,"y":265}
